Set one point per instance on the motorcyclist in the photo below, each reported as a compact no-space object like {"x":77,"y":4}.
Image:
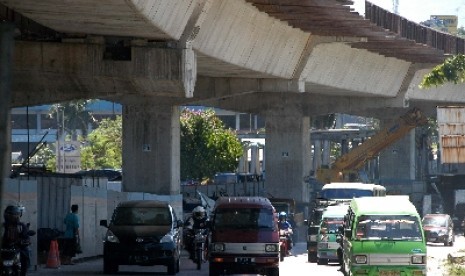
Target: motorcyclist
{"x":285,"y":225}
{"x":198,"y":220}
{"x":15,"y":233}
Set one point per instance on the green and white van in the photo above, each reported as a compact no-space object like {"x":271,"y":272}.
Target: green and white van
{"x":331,"y":221}
{"x":383,"y":236}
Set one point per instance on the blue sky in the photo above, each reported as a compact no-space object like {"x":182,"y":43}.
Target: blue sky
{"x":419,"y":10}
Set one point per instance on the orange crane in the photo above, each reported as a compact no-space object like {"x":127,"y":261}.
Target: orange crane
{"x":355,"y":159}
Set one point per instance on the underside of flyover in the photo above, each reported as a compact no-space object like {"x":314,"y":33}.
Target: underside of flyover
{"x":284,"y":59}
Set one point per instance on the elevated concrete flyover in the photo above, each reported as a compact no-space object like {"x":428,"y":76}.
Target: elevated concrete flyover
{"x":285,"y":59}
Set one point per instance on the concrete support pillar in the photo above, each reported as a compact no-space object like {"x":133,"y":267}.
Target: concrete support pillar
{"x":326,"y":152}
{"x":287,"y":154}
{"x":6,"y":54}
{"x":317,"y":155}
{"x":151,"y":148}
{"x":344,"y":146}
{"x":398,"y":160}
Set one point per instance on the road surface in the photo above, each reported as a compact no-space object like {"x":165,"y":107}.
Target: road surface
{"x":293,"y":265}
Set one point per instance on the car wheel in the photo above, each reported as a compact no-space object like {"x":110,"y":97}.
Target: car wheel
{"x":322,"y":261}
{"x":109,"y":267}
{"x":171,"y":267}
{"x":213,"y":271}
{"x":273,"y":271}
{"x":312,"y":257}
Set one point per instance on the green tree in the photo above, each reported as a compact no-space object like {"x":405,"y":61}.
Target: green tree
{"x":104,"y":146}
{"x":207,"y":147}
{"x":46,"y":155}
{"x":323,"y":121}
{"x":76,"y":116}
{"x":452,"y":70}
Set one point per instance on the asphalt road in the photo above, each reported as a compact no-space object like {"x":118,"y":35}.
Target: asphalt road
{"x":294,"y":265}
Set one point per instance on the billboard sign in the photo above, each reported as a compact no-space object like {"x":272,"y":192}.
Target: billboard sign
{"x":68,"y":157}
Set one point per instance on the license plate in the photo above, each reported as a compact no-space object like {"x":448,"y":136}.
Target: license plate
{"x":431,"y":239}
{"x":389,"y":273}
{"x":245,"y":260}
{"x":140,"y":259}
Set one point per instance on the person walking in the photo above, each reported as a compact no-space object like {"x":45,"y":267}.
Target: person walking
{"x":71,"y":235}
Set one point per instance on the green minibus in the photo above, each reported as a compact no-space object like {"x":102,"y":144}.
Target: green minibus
{"x":383,"y":236}
{"x":331,"y":221}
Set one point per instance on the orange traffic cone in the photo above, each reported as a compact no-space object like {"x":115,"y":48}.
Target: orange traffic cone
{"x":58,"y":253}
{"x":53,"y":260}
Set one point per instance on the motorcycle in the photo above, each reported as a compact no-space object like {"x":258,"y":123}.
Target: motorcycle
{"x":284,"y":244}
{"x":11,"y":257}
{"x":200,"y":248}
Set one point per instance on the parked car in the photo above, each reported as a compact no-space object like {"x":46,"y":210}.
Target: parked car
{"x":112,"y":175}
{"x":142,"y":232}
{"x":439,"y":228}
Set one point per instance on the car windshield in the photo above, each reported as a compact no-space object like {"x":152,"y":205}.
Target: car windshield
{"x":332,"y":224}
{"x":436,"y":221}
{"x":344,"y":193}
{"x":142,"y":216}
{"x":253,"y":218}
{"x":383,"y":227}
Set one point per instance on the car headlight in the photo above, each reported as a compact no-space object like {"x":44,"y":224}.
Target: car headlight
{"x":8,"y":262}
{"x":360,"y":259}
{"x":271,"y":248}
{"x":110,"y":237}
{"x":167,"y":238}
{"x":218,"y":246}
{"x":418,"y":259}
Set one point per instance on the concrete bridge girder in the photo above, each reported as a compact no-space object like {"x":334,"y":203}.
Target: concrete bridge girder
{"x":234,"y":39}
{"x":338,"y":65}
{"x":54,"y":72}
{"x":133,"y":18}
{"x":448,"y":93}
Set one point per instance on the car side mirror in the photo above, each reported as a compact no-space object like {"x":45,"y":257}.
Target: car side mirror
{"x":104,"y":223}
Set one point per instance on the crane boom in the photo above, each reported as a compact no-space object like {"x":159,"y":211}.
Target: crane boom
{"x":356,"y":158}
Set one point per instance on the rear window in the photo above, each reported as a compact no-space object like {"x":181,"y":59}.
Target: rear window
{"x":437,"y":221}
{"x":255,"y":218}
{"x":142,"y":216}
{"x":344,"y":193}
{"x":332,"y":224}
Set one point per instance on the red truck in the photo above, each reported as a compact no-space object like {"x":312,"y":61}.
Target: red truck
{"x":244,"y":237}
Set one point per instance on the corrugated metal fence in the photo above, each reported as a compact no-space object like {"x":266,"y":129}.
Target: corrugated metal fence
{"x":48,"y":200}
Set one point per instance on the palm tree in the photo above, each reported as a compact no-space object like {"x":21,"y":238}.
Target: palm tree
{"x":72,"y":116}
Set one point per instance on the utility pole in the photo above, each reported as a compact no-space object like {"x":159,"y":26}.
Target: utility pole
{"x":395,"y":6}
